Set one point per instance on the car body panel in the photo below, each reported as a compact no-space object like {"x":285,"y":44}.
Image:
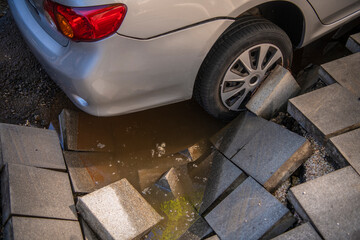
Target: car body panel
{"x":335,"y":9}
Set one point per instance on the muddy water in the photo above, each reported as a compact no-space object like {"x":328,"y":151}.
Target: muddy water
{"x":142,"y":147}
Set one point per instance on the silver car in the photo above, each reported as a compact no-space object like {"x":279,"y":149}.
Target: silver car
{"x":114,"y":57}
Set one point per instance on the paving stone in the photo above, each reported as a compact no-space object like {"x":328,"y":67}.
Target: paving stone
{"x":117,"y":211}
{"x":249,"y":212}
{"x":87,"y":231}
{"x":222,"y":175}
{"x":200,"y":149}
{"x":272,"y":155}
{"x":326,"y":112}
{"x":30,"y":146}
{"x":238,"y":133}
{"x":274,"y":93}
{"x":41,"y":228}
{"x":75,"y":134}
{"x":197,"y":231}
{"x":81,"y":164}
{"x":308,"y":77}
{"x":346,"y":149}
{"x":353,"y":43}
{"x":36,"y":192}
{"x":344,"y":71}
{"x":303,"y":232}
{"x":331,"y":203}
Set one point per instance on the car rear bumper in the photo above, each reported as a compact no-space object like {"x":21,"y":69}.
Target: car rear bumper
{"x":119,"y":74}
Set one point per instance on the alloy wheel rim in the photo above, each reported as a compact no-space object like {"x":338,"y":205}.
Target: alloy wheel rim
{"x":246,"y":73}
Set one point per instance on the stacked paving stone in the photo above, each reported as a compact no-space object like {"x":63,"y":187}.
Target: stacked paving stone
{"x":353,"y":43}
{"x":37,"y":201}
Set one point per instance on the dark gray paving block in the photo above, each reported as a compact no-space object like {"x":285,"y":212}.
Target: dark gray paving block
{"x":36,"y":192}
{"x":274,"y":93}
{"x":222,"y":174}
{"x":41,"y":228}
{"x":344,"y":71}
{"x":303,"y":232}
{"x":197,"y":231}
{"x":117,"y":211}
{"x":346,"y":148}
{"x":353,"y":43}
{"x":272,"y":155}
{"x":82,"y":132}
{"x":331,"y":203}
{"x":30,"y":146}
{"x":326,"y":112}
{"x":236,"y":134}
{"x":80,"y":164}
{"x":87,"y":231}
{"x":249,"y":212}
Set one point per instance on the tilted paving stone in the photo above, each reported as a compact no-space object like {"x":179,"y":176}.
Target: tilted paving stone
{"x":353,"y":43}
{"x":87,"y":231}
{"x":239,"y":132}
{"x":303,"y":232}
{"x":249,"y":212}
{"x":272,"y":155}
{"x":345,"y":71}
{"x":30,"y":146}
{"x":326,"y":112}
{"x":81,"y":132}
{"x":331,"y":203}
{"x":346,"y":148}
{"x":117,"y":211}
{"x":274,"y":93}
{"x":36,"y":192}
{"x":80,"y":164}
{"x":223,"y":173}
{"x":41,"y":228}
{"x":197,"y":231}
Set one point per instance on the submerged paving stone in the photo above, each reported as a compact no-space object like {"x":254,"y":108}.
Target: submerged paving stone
{"x":197,"y":231}
{"x":344,"y":71}
{"x":303,"y":232}
{"x":353,"y":43}
{"x":331,"y":203}
{"x":346,"y":148}
{"x":249,"y":212}
{"x":117,"y":211}
{"x":36,"y":192}
{"x":78,"y":132}
{"x":272,"y":155}
{"x":238,"y":133}
{"x":326,"y":112}
{"x":41,"y":228}
{"x":274,"y":93}
{"x":30,"y":146}
{"x":223,"y":173}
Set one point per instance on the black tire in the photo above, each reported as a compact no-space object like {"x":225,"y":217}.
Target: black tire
{"x":245,"y":33}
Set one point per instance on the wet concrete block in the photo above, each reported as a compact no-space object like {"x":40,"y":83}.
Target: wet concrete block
{"x":345,"y":148}
{"x":222,"y":175}
{"x":330,"y":203}
{"x":200,"y":229}
{"x":236,"y":134}
{"x":41,"y":228}
{"x":249,"y":212}
{"x":353,"y":43}
{"x":200,"y":149}
{"x":80,"y":165}
{"x":148,"y":177}
{"x":326,"y":112}
{"x":344,"y":71}
{"x":87,"y":231}
{"x":303,"y":232}
{"x":36,"y":192}
{"x":308,"y":77}
{"x":274,"y":93}
{"x":31,"y":147}
{"x":117,"y":211}
{"x":272,"y":155}
{"x":80,"y":132}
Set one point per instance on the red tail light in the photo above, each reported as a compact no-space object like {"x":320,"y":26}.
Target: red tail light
{"x":86,"y":23}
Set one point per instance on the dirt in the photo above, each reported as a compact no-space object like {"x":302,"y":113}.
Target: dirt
{"x":27,"y":95}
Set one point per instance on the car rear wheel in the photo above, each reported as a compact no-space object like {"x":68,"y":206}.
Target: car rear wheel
{"x":238,"y":63}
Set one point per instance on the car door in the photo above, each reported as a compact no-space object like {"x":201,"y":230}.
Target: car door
{"x":330,"y":11}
